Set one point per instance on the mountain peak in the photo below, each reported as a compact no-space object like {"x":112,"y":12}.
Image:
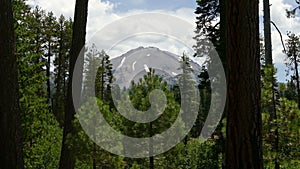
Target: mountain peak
{"x":137,"y":62}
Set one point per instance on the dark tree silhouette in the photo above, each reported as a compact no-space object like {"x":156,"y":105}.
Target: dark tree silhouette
{"x":67,"y":159}
{"x":10,"y":125}
{"x":243,"y":133}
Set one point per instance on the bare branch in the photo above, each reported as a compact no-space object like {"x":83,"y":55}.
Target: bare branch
{"x":280,"y":35}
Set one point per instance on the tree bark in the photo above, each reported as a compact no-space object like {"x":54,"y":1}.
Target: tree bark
{"x":151,"y":157}
{"x":67,"y":159}
{"x":297,"y":80}
{"x":59,"y":87}
{"x":222,"y":55}
{"x":10,"y":124}
{"x":267,"y":33}
{"x":48,"y":74}
{"x":222,"y":47}
{"x":243,"y":130}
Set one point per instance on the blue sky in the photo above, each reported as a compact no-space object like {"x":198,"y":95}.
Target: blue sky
{"x":127,"y":5}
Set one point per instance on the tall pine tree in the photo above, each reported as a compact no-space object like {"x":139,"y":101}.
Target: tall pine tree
{"x":61,"y":67}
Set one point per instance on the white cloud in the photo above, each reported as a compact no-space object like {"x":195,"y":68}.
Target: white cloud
{"x":101,"y":14}
{"x":96,"y":9}
{"x":58,"y":7}
{"x":166,"y":32}
{"x":278,"y":16}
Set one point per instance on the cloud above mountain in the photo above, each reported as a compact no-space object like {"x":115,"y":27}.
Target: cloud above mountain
{"x":104,"y":12}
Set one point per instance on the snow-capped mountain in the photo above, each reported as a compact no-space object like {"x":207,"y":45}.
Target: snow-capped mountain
{"x":137,"y":62}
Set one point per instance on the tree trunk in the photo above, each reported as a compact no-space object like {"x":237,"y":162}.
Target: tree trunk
{"x":10,"y":124}
{"x":67,"y":159}
{"x":59,"y":93}
{"x":222,"y":55}
{"x":243,"y":132}
{"x":49,"y":101}
{"x":267,"y":34}
{"x":94,"y":156}
{"x":276,"y":146}
{"x":94,"y":147}
{"x":151,"y":157}
{"x":222,"y":47}
{"x":297,"y":80}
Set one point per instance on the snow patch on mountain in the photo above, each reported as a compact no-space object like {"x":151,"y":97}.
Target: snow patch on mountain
{"x":133,"y":65}
{"x":146,"y":68}
{"x":122,"y":62}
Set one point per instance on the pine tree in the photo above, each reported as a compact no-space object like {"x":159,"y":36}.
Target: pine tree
{"x":57,"y":39}
{"x":280,"y":134}
{"x":98,"y":74}
{"x":92,"y":62}
{"x":50,"y":29}
{"x":270,"y":101}
{"x":88,"y":154}
{"x":293,"y":54}
{"x":61,"y":67}
{"x":139,"y":93}
{"x":104,"y":79}
{"x":210,"y":22}
{"x":291,"y":91}
{"x":204,"y":87}
{"x":99,"y":69}
{"x":211,"y":25}
{"x":187,"y":89}
{"x":41,"y":132}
